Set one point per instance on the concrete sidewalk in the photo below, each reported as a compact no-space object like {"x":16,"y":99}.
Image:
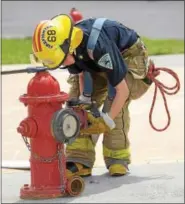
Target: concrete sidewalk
{"x":159,"y":146}
{"x":149,"y":183}
{"x":151,"y":178}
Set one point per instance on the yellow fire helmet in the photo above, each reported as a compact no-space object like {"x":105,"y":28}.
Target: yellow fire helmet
{"x":54,"y":39}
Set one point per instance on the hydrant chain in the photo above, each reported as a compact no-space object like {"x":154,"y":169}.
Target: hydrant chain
{"x":27,"y":143}
{"x":45,"y":160}
{"x":58,"y":155}
{"x":62,"y":163}
{"x":37,"y":157}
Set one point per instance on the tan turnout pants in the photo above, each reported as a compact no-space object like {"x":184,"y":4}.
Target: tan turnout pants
{"x":116,"y":143}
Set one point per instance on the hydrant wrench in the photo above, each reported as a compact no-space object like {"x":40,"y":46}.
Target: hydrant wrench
{"x":27,"y":70}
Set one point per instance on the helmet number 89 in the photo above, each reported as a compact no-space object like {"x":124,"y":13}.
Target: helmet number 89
{"x":51,"y":35}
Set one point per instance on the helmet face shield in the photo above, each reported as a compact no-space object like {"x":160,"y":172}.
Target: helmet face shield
{"x":65,"y":23}
{"x":65,"y":46}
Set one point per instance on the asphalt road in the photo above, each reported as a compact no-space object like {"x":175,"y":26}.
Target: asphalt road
{"x":155,"y":19}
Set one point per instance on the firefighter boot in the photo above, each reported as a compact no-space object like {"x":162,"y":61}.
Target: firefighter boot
{"x":118,"y":170}
{"x":77,"y":169}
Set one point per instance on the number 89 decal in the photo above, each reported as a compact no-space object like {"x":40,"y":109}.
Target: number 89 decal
{"x":51,"y":35}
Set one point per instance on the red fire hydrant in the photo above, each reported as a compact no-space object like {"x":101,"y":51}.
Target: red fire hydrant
{"x":47,"y":159}
{"x":76,"y":15}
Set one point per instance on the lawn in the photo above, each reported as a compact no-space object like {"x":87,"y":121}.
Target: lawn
{"x":16,"y":51}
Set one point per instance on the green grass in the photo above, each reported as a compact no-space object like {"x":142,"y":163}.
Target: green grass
{"x":16,"y":51}
{"x":164,"y":46}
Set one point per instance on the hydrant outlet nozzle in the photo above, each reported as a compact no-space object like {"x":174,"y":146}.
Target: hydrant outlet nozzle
{"x":21,"y":130}
{"x":28,"y":128}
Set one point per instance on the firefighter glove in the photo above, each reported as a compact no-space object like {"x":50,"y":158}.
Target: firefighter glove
{"x":99,"y":125}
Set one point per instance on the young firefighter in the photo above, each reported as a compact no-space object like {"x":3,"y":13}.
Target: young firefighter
{"x":118,"y":62}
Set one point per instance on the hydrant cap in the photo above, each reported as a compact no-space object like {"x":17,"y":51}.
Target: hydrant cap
{"x":76,"y":15}
{"x":43,"y":84}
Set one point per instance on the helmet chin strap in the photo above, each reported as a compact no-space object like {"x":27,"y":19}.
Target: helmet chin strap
{"x":74,"y":52}
{"x":71,"y":50}
{"x":66,"y":45}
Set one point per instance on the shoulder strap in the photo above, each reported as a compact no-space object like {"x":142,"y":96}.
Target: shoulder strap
{"x":95,"y":32}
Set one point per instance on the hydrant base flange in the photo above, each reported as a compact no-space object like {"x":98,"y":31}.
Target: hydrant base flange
{"x":30,"y":192}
